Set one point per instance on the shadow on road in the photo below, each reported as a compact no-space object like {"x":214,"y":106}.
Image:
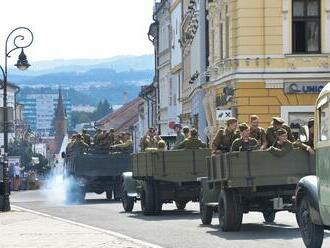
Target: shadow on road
{"x":166,"y":215}
{"x":259,"y":231}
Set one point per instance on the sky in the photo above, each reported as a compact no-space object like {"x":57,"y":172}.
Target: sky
{"x":79,"y":29}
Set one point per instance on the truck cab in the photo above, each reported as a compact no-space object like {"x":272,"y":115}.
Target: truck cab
{"x":313,"y":192}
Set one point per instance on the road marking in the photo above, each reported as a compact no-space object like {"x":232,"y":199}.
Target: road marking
{"x":115,"y":234}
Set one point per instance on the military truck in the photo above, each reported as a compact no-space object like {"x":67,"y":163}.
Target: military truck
{"x":163,"y":177}
{"x":95,"y":172}
{"x":240,"y":182}
{"x":312,"y":192}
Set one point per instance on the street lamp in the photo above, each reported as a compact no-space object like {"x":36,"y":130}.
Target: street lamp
{"x":18,"y":36}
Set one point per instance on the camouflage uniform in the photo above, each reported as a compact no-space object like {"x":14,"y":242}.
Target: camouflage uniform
{"x":241,"y":145}
{"x":271,"y":135}
{"x":224,"y":140}
{"x":259,"y":134}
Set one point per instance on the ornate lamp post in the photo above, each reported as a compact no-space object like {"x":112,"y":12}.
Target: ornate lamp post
{"x":18,"y":36}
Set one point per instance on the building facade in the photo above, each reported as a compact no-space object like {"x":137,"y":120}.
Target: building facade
{"x":39,"y":111}
{"x":269,"y":58}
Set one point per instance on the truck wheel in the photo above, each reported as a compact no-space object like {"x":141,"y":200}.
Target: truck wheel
{"x":157,"y":200}
{"x":108,"y":194}
{"x":128,"y":202}
{"x":230,"y":211}
{"x":312,"y":234}
{"x":206,"y":213}
{"x":181,"y":205}
{"x":269,"y":215}
{"x":147,"y":199}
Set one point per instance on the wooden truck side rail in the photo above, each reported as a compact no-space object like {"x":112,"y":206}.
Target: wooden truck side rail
{"x":171,"y":166}
{"x":260,"y":168}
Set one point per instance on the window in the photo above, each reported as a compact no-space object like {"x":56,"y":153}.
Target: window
{"x":306,"y":31}
{"x":324,"y":122}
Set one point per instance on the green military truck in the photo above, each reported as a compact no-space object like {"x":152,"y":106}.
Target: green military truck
{"x":312,"y":192}
{"x":240,"y":182}
{"x":95,"y":172}
{"x":163,"y":177}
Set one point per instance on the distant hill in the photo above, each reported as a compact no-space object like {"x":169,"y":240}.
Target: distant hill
{"x":89,"y":81}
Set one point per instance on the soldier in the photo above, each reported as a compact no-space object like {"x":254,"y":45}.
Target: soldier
{"x":68,"y":148}
{"x":79,"y":145}
{"x":186,"y":132}
{"x":245,"y":143}
{"x":193,"y":142}
{"x":127,"y":142}
{"x":282,"y":145}
{"x":257,"y":132}
{"x":225,"y":137}
{"x":161,"y":145}
{"x":112,"y":136}
{"x":277,"y":123}
{"x":310,"y":141}
{"x":86,"y":137}
{"x":150,"y":140}
{"x":97,"y":136}
{"x":179,"y":136}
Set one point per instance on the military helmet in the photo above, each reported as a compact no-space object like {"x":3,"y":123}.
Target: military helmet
{"x":243,"y":126}
{"x":161,"y":144}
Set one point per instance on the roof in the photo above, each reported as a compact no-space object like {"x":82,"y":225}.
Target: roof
{"x":10,"y":84}
{"x":123,"y":118}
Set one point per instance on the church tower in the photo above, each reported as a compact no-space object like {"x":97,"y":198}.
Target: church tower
{"x":60,"y":121}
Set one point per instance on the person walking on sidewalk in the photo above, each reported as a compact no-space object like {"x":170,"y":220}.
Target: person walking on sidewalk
{"x":17,"y":173}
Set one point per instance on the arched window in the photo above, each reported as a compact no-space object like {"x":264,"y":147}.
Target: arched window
{"x":306,"y":30}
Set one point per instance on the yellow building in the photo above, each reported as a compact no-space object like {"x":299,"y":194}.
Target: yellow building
{"x":266,"y":57}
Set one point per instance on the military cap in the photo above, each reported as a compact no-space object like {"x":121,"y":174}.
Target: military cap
{"x":194,"y":132}
{"x":231,"y":121}
{"x":281,"y":131}
{"x":310,"y":123}
{"x":177,"y":125}
{"x":243,"y":126}
{"x":185,"y":129}
{"x":278,"y":121}
{"x":254,"y":117}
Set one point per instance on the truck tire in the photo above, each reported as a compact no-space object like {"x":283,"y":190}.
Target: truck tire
{"x":181,"y":205}
{"x":128,"y":202}
{"x":311,"y":233}
{"x":148,"y":199}
{"x":108,"y":194}
{"x":157,"y":200}
{"x":230,"y":211}
{"x":206,"y":212}
{"x":269,"y":215}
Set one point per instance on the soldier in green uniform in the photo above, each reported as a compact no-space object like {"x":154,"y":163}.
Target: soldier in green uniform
{"x":257,"y":132}
{"x":79,"y":146}
{"x":112,"y":136}
{"x":179,"y":136}
{"x":86,"y":137}
{"x":277,"y":123}
{"x":225,"y":137}
{"x":186,"y":132}
{"x":193,"y":142}
{"x":245,"y":143}
{"x":150,"y":140}
{"x":127,"y":142}
{"x":283,"y":146}
{"x":97,"y":136}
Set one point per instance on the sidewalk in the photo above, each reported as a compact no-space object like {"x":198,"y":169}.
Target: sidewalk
{"x":21,"y":229}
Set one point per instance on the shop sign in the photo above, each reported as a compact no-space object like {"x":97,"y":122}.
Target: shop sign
{"x":303,"y":88}
{"x":224,"y":114}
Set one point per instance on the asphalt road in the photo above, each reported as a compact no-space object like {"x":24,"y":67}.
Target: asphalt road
{"x":171,"y":229}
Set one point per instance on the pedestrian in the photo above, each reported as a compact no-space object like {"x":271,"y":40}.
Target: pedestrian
{"x":17,"y":174}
